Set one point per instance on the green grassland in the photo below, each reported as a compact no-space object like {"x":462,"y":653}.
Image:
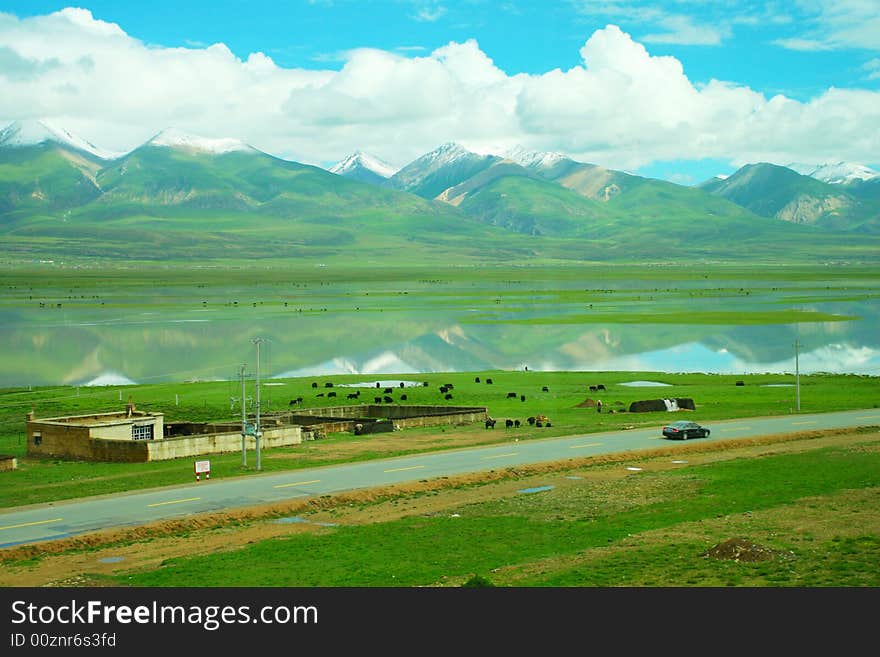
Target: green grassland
{"x":716,"y":397}
{"x":813,"y":514}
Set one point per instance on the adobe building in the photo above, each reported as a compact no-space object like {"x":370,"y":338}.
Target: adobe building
{"x":135,"y":436}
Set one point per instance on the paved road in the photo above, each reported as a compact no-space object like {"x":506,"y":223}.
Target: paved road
{"x":62,"y":519}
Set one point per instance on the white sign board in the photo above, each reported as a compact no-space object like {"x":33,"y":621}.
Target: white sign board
{"x":203,"y":467}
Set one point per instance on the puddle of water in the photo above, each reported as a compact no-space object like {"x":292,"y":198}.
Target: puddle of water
{"x":536,"y":489}
{"x":290,"y":520}
{"x":634,"y":469}
{"x":679,"y":462}
{"x":382,"y":384}
{"x":644,"y":384}
{"x":111,"y":559}
{"x":777,"y":385}
{"x":573,"y":477}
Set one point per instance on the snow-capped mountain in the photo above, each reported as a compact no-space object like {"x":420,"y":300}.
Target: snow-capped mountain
{"x":835,"y":173}
{"x":174,"y":138}
{"x":533,"y":159}
{"x":33,"y":132}
{"x":444,"y":167}
{"x":361,"y":160}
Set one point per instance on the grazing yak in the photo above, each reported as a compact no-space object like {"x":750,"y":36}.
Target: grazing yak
{"x":448,"y":395}
{"x":511,"y":395}
{"x":508,"y":424}
{"x":545,"y":389}
{"x":490,"y":423}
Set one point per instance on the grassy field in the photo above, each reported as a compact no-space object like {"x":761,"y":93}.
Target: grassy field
{"x":716,"y":397}
{"x":652,"y":531}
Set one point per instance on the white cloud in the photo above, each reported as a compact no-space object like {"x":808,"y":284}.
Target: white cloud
{"x":873,"y":68}
{"x":681,"y":30}
{"x":836,"y":24}
{"x":621,"y":107}
{"x":429,"y":13}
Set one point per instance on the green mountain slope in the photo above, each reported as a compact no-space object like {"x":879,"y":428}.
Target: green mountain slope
{"x":45,"y":178}
{"x":778,"y":192}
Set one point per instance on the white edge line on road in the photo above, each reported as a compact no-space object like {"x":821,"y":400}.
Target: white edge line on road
{"x":587,"y":445}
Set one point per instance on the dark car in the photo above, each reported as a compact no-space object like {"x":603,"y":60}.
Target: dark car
{"x":684,"y":430}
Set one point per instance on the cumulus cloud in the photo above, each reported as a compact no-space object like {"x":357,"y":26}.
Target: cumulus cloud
{"x":620,"y":107}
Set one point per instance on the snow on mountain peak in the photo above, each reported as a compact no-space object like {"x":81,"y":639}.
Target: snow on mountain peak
{"x":448,"y":152}
{"x":366,"y":161}
{"x":174,"y":138}
{"x":533,"y":159}
{"x":33,"y":132}
{"x":835,"y":173}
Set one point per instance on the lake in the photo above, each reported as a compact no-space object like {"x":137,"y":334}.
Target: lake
{"x":100,"y":329}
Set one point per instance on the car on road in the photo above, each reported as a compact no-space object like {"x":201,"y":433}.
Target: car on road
{"x":682,"y":430}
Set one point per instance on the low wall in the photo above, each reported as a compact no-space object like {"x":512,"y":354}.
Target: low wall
{"x":8,"y":463}
{"x":219,"y":443}
{"x":343,"y":418}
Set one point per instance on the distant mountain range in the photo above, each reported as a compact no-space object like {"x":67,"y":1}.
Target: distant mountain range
{"x":183,"y":196}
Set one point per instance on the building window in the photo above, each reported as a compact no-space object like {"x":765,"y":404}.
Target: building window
{"x":142,"y":432}
{"x":38,"y":439}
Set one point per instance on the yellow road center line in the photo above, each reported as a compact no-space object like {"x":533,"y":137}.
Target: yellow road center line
{"x":297,"y":483}
{"x":868,"y":417}
{"x":412,"y":467}
{"x":734,"y":429}
{"x":189,"y":499}
{"x":31,"y":524}
{"x":805,"y":422}
{"x":587,"y":445}
{"x":500,"y":456}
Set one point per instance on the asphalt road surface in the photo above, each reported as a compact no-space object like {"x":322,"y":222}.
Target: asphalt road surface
{"x":63,"y":519}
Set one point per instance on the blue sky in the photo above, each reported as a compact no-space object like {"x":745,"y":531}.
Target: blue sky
{"x":323,"y":95}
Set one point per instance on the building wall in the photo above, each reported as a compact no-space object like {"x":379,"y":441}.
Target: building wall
{"x":62,"y":440}
{"x":121,"y":430}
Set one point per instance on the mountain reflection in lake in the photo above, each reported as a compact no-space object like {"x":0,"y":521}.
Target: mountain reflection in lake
{"x":348,"y":330}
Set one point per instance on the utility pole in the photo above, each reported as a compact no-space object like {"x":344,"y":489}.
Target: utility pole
{"x":797,"y":378}
{"x":243,"y":423}
{"x":257,"y":431}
